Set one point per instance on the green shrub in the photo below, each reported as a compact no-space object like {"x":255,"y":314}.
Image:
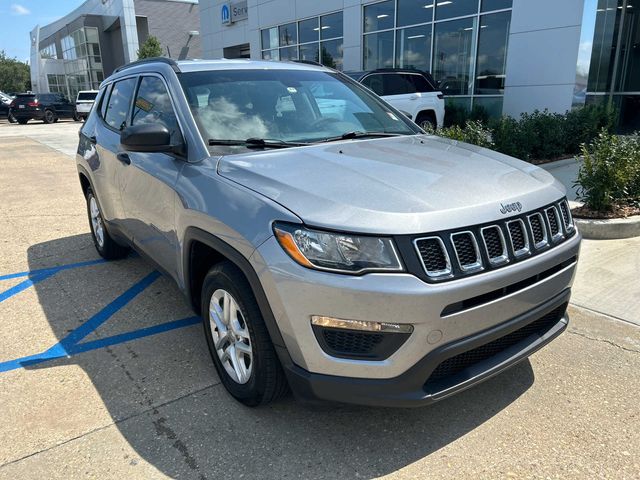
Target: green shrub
{"x":610,"y":174}
{"x":473,"y":132}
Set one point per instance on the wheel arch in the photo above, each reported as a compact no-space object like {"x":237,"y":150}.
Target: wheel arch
{"x":202,"y":250}
{"x":428,"y":113}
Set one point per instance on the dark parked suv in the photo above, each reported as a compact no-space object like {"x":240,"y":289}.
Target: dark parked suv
{"x":48,"y":107}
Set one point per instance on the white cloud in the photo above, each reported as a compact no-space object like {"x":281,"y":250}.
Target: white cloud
{"x":18,"y":9}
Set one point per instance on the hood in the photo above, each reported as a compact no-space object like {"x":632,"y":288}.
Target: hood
{"x":397,"y":185}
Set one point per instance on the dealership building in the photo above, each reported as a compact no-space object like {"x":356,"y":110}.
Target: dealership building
{"x":506,"y":56}
{"x":79,"y":50}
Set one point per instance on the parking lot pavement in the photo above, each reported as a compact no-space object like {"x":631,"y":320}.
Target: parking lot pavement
{"x":61,"y":136}
{"x":104,"y":373}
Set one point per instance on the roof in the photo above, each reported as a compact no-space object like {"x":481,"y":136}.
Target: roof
{"x":244,"y":64}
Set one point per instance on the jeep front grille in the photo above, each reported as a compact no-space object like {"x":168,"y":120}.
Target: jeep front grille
{"x":449,"y":255}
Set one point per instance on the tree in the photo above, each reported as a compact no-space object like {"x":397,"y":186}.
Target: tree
{"x":150,"y":48}
{"x":14,"y":74}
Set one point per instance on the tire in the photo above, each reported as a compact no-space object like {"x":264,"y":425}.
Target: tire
{"x":49,"y":117}
{"x":22,"y":121}
{"x":56,"y":120}
{"x":76,"y":116}
{"x":106,"y":246}
{"x":263,"y":380}
{"x":11,"y":118}
{"x":426,"y":121}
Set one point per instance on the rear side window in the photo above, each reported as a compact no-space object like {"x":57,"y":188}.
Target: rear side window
{"x":420,"y":84}
{"x":105,"y":101}
{"x":397,"y":84}
{"x":119,"y":102}
{"x":153,"y":105}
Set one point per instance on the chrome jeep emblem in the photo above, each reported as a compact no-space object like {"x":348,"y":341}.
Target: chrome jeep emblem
{"x":511,"y":207}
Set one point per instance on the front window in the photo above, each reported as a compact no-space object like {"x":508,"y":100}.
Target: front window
{"x":285,"y":105}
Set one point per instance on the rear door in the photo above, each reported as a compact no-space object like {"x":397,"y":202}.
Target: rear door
{"x":147,"y":183}
{"x":113,"y":115}
{"x":63,"y":106}
{"x":400,"y":92}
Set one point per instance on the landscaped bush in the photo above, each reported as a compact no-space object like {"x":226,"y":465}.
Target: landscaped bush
{"x":537,"y":135}
{"x":609,"y":178}
{"x":473,"y":132}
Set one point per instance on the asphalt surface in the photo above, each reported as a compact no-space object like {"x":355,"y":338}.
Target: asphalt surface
{"x":77,"y":401}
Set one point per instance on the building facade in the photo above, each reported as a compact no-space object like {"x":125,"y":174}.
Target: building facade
{"x":79,"y":50}
{"x":505,"y":56}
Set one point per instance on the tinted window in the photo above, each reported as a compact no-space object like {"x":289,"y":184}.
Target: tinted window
{"x":87,"y":96}
{"x":119,"y":102}
{"x":411,"y":12}
{"x":397,"y":84}
{"x":420,"y":84}
{"x":105,"y":101}
{"x":153,"y":105}
{"x":379,"y":16}
{"x":374,"y":83}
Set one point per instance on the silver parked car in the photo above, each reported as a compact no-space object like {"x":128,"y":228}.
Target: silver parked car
{"x":329,"y":245}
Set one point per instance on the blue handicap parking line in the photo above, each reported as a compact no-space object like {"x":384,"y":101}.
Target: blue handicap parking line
{"x":70,"y":345}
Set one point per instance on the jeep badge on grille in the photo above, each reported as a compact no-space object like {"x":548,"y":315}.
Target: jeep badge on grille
{"x":511,"y":207}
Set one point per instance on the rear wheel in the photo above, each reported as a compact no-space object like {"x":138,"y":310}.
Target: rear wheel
{"x":11,"y":118}
{"x":238,"y":340}
{"x":426,"y":121}
{"x":49,"y":116}
{"x":22,"y":121}
{"x":105,"y":245}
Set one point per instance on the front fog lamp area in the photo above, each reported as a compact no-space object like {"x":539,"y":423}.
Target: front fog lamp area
{"x":337,"y":252}
{"x":362,"y":325}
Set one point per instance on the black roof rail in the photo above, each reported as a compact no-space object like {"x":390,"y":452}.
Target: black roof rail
{"x":168,"y":61}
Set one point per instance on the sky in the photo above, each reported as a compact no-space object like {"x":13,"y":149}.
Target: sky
{"x":18,"y":17}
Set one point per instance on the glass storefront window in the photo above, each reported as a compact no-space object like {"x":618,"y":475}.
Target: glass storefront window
{"x":331,"y":53}
{"x":289,"y":53}
{"x":455,"y":8}
{"x":604,"y":46}
{"x":378,"y":50}
{"x":308,"y":30}
{"x":288,"y":34}
{"x":453,"y":55}
{"x":413,"y":12}
{"x":305,"y":40}
{"x":269,"y":38}
{"x":492,"y":53}
{"x":490,"y":5}
{"x":309,"y":52}
{"x":628,"y":77}
{"x":491,"y":105}
{"x":379,"y":16}
{"x":413,"y":47}
{"x":331,"y":26}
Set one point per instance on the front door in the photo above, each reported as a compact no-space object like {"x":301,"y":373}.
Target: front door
{"x":147,"y":182}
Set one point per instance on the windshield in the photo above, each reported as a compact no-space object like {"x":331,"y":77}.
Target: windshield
{"x":285,"y":105}
{"x":87,"y":95}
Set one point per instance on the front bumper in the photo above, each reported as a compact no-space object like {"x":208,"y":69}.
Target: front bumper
{"x":414,"y":388}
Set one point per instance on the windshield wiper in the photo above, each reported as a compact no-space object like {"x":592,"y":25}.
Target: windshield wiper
{"x":256,"y":143}
{"x":351,"y":135}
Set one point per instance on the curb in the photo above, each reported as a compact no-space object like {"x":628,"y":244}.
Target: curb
{"x":609,"y":229}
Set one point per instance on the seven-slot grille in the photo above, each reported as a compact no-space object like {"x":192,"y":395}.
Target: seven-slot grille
{"x":450,"y":255}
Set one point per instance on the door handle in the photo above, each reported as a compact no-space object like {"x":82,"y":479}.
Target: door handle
{"x":413,"y":97}
{"x":124,"y":158}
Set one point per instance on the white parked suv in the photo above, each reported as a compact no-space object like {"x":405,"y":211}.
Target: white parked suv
{"x":84,"y":102}
{"x":413,"y":92}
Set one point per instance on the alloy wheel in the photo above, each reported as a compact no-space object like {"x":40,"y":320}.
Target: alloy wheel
{"x":230,"y":336}
{"x":96,"y":221}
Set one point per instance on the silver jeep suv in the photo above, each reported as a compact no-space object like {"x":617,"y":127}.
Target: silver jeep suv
{"x":330,"y":246}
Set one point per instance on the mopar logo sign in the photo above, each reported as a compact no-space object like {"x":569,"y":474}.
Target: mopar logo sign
{"x":225,"y":13}
{"x":232,"y":12}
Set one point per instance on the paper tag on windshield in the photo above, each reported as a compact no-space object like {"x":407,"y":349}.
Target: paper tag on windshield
{"x":292,"y":90}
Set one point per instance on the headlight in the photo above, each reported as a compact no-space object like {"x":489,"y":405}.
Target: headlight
{"x":337,"y":252}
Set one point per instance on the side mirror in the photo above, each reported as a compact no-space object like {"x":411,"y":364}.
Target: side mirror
{"x":148,"y":137}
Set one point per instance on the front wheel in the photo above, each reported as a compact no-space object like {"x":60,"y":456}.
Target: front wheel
{"x":238,"y":340}
{"x":105,"y":245}
{"x":426,"y":122}
{"x":22,"y":121}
